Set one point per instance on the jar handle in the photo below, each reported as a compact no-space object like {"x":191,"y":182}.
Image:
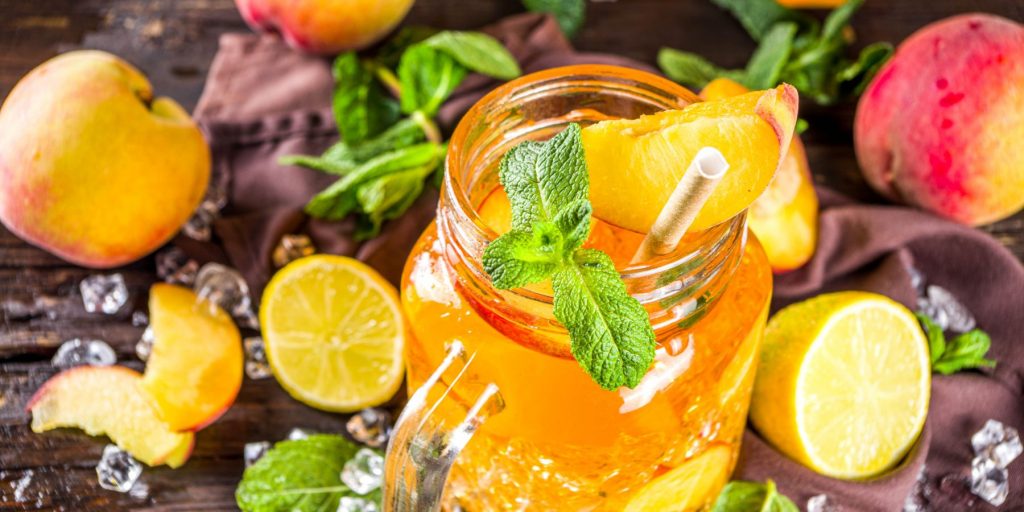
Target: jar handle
{"x":422,"y":448}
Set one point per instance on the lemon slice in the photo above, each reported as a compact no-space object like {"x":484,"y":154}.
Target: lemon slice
{"x":843,"y":384}
{"x":690,"y":486}
{"x":333,"y":332}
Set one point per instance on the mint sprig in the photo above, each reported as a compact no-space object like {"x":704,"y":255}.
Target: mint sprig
{"x":547,"y":184}
{"x":570,"y":14}
{"x":383,"y":160}
{"x":302,"y":475}
{"x":793,"y":48}
{"x":964,"y":352}
{"x":740,"y":496}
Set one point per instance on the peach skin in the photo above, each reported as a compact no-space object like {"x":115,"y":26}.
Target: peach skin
{"x":93,"y":168}
{"x":325,"y":26}
{"x":940,"y":126}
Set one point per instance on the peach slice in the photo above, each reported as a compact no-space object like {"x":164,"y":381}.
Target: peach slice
{"x":635,"y":164}
{"x":108,"y":400}
{"x":785,"y":216}
{"x":692,"y":486}
{"x":195,"y":369}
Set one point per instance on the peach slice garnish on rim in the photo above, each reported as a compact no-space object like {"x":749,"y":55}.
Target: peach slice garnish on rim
{"x":635,"y":164}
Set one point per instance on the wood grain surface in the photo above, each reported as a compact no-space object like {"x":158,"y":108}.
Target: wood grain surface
{"x":173,"y":41}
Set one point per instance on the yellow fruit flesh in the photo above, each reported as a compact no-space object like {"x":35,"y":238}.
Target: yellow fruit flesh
{"x":108,"y":400}
{"x":686,"y":487}
{"x":635,"y":164}
{"x":785,"y":216}
{"x":334,"y":333}
{"x":843,"y":384}
{"x":195,"y":369}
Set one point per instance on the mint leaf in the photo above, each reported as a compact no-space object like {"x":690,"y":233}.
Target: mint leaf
{"x":388,"y":197}
{"x":362,"y":108}
{"x":391,"y":51}
{"x":427,"y":77}
{"x":570,"y":14}
{"x":766,"y":65}
{"x":521,"y":258}
{"x":758,"y":16}
{"x":542,"y":178}
{"x":342,"y":158}
{"x":739,"y":496}
{"x":476,"y":51}
{"x":964,"y":352}
{"x":855,"y":76}
{"x":547,"y":184}
{"x":301,"y":475}
{"x":340,"y":199}
{"x":691,"y":69}
{"x":610,"y":331}
{"x":839,"y":18}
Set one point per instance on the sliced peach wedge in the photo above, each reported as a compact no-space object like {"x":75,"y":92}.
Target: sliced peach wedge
{"x":635,"y":164}
{"x":109,"y":400}
{"x":194,"y":371}
{"x":785,"y":216}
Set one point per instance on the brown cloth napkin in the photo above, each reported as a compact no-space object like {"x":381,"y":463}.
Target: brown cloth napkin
{"x":263,"y":101}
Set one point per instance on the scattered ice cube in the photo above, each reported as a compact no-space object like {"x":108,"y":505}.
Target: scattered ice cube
{"x":917,"y":500}
{"x":291,"y":248}
{"x":916,"y":279}
{"x":175,"y":267}
{"x":144,"y":346}
{"x":224,"y":287}
{"x":256,"y":366}
{"x":997,"y":442}
{"x":988,"y":480}
{"x":248,"y":320}
{"x":77,"y":352}
{"x":253,"y":451}
{"x":947,"y":312}
{"x":21,"y":485}
{"x":200,"y":224}
{"x":353,"y":504}
{"x":364,"y":472}
{"x":139,"y":318}
{"x":139,"y":491}
{"x":117,"y":470}
{"x":370,"y":426}
{"x":821,"y":503}
{"x":106,"y":293}
{"x":299,"y":433}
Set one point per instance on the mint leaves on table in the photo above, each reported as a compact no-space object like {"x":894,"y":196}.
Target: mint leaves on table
{"x":739,"y":496}
{"x":964,"y":352}
{"x":570,"y":14}
{"x":794,"y":48}
{"x":300,"y":475}
{"x":384,"y":159}
{"x":547,"y":184}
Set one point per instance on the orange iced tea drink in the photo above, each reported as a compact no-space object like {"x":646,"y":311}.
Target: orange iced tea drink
{"x":561,"y":442}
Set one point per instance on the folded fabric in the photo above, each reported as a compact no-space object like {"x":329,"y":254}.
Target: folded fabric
{"x":263,"y":101}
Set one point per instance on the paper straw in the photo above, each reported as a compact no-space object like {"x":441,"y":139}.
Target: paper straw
{"x":699,"y":181}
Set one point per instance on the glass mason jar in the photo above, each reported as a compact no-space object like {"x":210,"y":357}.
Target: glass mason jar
{"x":560,"y":442}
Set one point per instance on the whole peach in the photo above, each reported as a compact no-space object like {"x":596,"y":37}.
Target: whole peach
{"x":325,"y":26}
{"x":940,"y":126}
{"x":93,"y":168}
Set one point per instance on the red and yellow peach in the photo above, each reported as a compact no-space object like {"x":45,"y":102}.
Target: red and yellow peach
{"x":940,"y":126}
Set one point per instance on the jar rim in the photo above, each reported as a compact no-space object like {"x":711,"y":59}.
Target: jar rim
{"x":512,"y":90}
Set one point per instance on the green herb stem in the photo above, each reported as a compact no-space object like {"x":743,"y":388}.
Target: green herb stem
{"x":430,"y":129}
{"x":388,"y":79}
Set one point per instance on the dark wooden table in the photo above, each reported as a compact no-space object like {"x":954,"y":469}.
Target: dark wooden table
{"x":173,"y":41}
